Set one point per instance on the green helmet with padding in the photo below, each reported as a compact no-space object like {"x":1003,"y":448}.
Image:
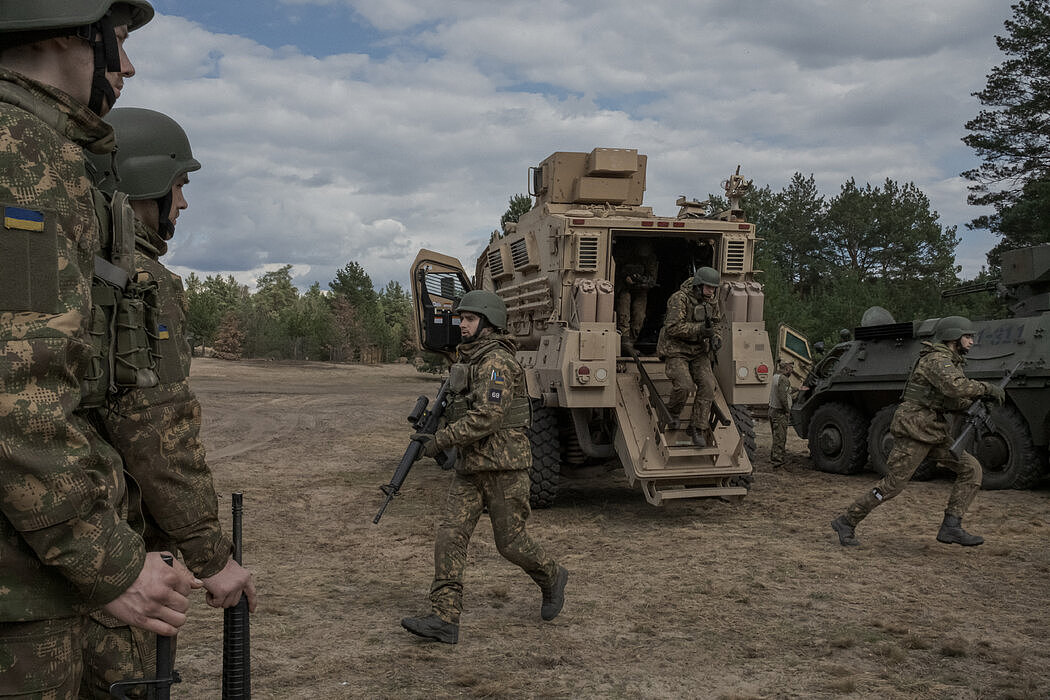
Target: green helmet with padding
{"x":46,"y":15}
{"x":487,"y":304}
{"x":152,"y":152}
{"x":94,"y":21}
{"x":952,"y":328}
{"x":708,"y":276}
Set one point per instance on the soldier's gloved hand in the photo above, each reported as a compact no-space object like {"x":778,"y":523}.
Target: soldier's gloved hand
{"x":429,"y":445}
{"x":995,"y":392}
{"x":716,"y":343}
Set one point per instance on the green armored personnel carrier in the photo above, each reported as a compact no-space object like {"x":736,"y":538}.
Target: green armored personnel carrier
{"x":557,"y":271}
{"x":851,"y":393}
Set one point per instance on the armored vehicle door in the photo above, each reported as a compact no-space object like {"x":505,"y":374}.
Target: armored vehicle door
{"x":793,"y":346}
{"x":438,"y":283}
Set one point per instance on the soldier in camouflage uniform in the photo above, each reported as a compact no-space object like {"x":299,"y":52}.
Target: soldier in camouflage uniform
{"x":689,"y":340}
{"x":486,"y":423}
{"x":780,"y":411}
{"x":636,"y":268}
{"x":157,"y":429}
{"x":65,"y":545}
{"x":921,"y":428}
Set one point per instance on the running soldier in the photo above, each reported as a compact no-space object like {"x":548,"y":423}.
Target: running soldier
{"x":486,"y":423}
{"x":921,"y":428}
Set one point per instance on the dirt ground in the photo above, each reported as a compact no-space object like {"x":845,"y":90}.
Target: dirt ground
{"x":697,"y":599}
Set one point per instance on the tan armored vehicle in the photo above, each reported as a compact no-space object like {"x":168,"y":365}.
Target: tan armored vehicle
{"x":559,"y":270}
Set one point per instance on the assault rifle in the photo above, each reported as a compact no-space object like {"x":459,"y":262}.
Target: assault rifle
{"x":978,"y":420}
{"x":424,"y":421}
{"x":236,"y":633}
{"x":158,"y":687}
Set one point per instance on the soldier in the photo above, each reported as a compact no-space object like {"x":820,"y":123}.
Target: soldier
{"x":780,"y":411}
{"x":689,"y":340}
{"x":487,"y":422}
{"x":636,"y":268}
{"x":921,"y":428}
{"x":64,"y":543}
{"x":157,"y":429}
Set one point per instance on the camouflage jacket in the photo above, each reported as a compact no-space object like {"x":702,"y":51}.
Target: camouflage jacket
{"x":690,"y":324}
{"x":157,"y":431}
{"x":937,"y":387}
{"x":64,"y":545}
{"x":496,"y":379}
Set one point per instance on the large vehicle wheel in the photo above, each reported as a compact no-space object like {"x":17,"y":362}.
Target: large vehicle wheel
{"x":838,"y":438}
{"x":745,"y":425}
{"x":880,"y":443}
{"x":546,"y":457}
{"x":1008,"y":457}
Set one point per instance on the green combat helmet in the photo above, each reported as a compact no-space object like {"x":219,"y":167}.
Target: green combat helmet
{"x":952,"y":328}
{"x":707,"y":276}
{"x":485,"y":304}
{"x":94,"y":21}
{"x":152,"y":151}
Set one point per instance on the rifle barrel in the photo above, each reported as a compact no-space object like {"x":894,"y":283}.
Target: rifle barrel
{"x":236,"y":637}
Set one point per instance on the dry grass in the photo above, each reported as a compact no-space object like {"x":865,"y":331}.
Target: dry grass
{"x":705,"y":599}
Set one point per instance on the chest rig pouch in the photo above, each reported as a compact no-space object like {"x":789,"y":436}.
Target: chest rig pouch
{"x":124,"y":309}
{"x":518,"y":414}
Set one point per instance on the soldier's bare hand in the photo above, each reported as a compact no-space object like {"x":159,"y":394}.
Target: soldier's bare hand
{"x":158,"y":599}
{"x":224,"y":589}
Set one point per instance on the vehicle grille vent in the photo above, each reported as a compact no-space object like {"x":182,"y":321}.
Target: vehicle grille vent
{"x":519,"y":254}
{"x":496,"y":262}
{"x":587,"y":253}
{"x":735,"y":256}
{"x":885,"y":331}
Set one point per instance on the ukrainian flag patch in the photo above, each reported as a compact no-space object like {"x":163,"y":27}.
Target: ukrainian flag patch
{"x":498,"y":379}
{"x":23,"y":219}
{"x":162,"y":332}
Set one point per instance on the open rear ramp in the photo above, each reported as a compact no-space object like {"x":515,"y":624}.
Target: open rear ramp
{"x":663,"y":461}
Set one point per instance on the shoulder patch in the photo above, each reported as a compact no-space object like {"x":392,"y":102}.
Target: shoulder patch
{"x":495,"y":394}
{"x":23,"y":219}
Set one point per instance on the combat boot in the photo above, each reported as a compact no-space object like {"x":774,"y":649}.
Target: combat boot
{"x":951,"y":532}
{"x":554,"y":597}
{"x":697,"y":436}
{"x":845,"y":531}
{"x":432,"y":627}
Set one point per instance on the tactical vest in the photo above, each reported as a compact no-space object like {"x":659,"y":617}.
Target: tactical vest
{"x":518,"y":415}
{"x":924,"y":394}
{"x":124,"y":309}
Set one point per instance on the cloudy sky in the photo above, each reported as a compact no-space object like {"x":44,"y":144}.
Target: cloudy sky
{"x":361,"y":130}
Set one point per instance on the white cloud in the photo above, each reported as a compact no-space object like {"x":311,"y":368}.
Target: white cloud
{"x":317,"y":161}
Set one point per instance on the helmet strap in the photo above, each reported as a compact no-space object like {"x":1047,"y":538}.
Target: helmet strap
{"x":103,"y":40}
{"x":165,"y":226}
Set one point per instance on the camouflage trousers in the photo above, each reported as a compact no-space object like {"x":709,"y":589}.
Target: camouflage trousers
{"x":779,"y":420}
{"x":630,"y":312}
{"x":905,"y":457}
{"x":684,"y":372}
{"x":116,"y":653}
{"x":40,"y":660}
{"x":506,"y":495}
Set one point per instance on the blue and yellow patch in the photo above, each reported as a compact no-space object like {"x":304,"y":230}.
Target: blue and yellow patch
{"x":162,"y":332}
{"x":498,"y":379}
{"x":23,"y":219}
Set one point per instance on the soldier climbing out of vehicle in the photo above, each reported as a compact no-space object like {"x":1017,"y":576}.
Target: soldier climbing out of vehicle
{"x":921,"y":428}
{"x":689,"y":340}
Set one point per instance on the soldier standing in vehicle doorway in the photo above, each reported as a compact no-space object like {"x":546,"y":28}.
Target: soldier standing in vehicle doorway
{"x":636,"y":268}
{"x":487,"y":423}
{"x":689,"y":340}
{"x":157,"y":429}
{"x":780,"y":411}
{"x":65,"y":545}
{"x":921,"y":428}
